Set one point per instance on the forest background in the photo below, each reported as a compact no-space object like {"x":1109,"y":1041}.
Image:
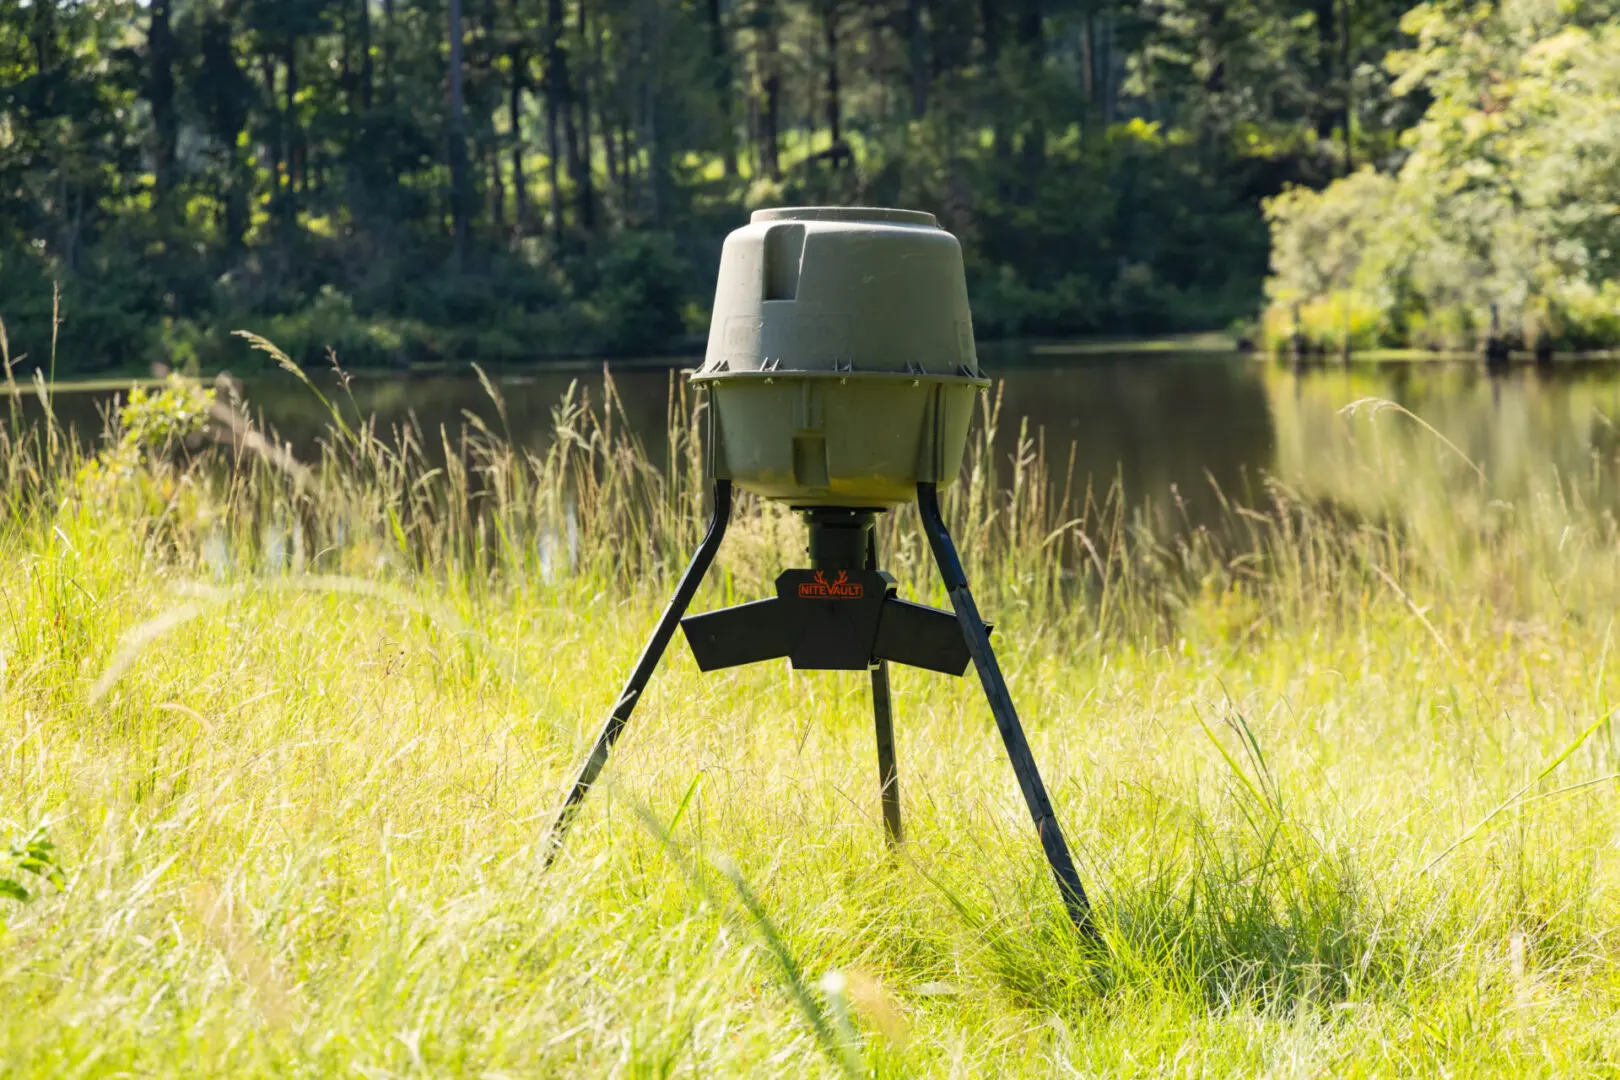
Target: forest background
{"x":506,"y":181}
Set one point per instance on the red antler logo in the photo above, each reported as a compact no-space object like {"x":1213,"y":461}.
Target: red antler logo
{"x":840,"y":588}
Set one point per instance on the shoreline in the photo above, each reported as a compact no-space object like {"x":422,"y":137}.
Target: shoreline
{"x":1013,"y":350}
{"x":1435,"y":356}
{"x":1010,"y":354}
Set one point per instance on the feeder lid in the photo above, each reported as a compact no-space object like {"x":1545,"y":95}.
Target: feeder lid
{"x":841,"y":289}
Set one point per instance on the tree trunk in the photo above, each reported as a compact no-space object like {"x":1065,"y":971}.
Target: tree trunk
{"x":829,"y":20}
{"x":1347,"y":75}
{"x":228,"y":117}
{"x":584,"y":212}
{"x":553,"y":176}
{"x":160,"y":93}
{"x":497,"y":189}
{"x":650,"y":137}
{"x":1032,"y":50}
{"x":610,"y":148}
{"x":604,"y":119}
{"x":1088,"y":59}
{"x":580,"y":129}
{"x":561,"y":82}
{"x":458,"y":138}
{"x":1000,"y":136}
{"x":347,"y":83}
{"x":751,"y":132}
{"x":514,"y":119}
{"x":277,"y":139}
{"x":769,"y":61}
{"x":720,"y":57}
{"x":1215,"y":81}
{"x":43,"y":38}
{"x":627,"y":168}
{"x":366,"y":74}
{"x":388,"y":47}
{"x":1214,"y":116}
{"x":1326,"y":89}
{"x":1113,"y":71}
{"x":295,"y":143}
{"x":553,"y":117}
{"x":917,"y":42}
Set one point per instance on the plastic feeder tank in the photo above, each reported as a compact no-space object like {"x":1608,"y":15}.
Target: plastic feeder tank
{"x":841,"y":361}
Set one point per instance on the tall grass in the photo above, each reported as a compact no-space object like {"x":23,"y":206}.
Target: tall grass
{"x":1337,"y":767}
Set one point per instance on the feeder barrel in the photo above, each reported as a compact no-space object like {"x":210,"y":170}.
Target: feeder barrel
{"x":841,"y":361}
{"x":841,"y":289}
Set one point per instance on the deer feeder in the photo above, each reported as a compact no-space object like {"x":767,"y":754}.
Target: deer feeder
{"x":841,"y":377}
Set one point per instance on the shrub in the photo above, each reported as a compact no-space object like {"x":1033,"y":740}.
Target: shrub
{"x":637,"y":287}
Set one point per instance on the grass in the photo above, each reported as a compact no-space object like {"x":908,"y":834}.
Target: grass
{"x":1339,"y":773}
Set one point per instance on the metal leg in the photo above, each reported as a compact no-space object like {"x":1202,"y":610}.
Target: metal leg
{"x":883,"y":712}
{"x":995,"y":689}
{"x":650,"y":655}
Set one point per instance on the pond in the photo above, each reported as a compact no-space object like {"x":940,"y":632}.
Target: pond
{"x":1192,"y":430}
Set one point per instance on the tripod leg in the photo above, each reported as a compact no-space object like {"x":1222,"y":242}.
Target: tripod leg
{"x":650,"y":655}
{"x":888,"y":774}
{"x":995,"y":689}
{"x":883,"y":712}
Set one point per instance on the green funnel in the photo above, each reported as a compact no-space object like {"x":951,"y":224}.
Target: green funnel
{"x":840,"y":361}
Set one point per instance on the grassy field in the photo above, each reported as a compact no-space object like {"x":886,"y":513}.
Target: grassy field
{"x":1339,"y":773}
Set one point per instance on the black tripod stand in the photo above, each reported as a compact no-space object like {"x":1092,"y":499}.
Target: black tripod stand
{"x":842,"y":614}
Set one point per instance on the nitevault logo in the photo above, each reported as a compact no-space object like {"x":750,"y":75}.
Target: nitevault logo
{"x":841,"y":588}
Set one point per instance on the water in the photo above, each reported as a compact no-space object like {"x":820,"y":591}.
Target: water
{"x":1159,"y":424}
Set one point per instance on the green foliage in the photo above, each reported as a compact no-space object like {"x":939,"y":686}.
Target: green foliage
{"x":173,"y":414}
{"x":110,"y":318}
{"x":185,"y":168}
{"x":135,"y":473}
{"x":330,"y":322}
{"x":635,"y":290}
{"x":1508,"y":200}
{"x":25,"y":858}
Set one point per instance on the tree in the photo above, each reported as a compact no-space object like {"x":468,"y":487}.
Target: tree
{"x":460,"y":195}
{"x":479,"y":177}
{"x":1499,"y":207}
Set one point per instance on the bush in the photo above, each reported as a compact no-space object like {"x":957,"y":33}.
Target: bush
{"x":636,"y":286}
{"x":105,"y":322}
{"x":330,"y":322}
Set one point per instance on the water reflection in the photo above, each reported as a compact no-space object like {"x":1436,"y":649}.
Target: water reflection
{"x":1157,"y":424}
{"x":1159,"y":427}
{"x":1521,"y":429}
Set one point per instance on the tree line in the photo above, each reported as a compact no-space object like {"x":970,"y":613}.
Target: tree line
{"x":1498,"y":226}
{"x":508,"y":180}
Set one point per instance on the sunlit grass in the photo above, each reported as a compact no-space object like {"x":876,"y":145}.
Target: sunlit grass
{"x":1337,"y":773}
